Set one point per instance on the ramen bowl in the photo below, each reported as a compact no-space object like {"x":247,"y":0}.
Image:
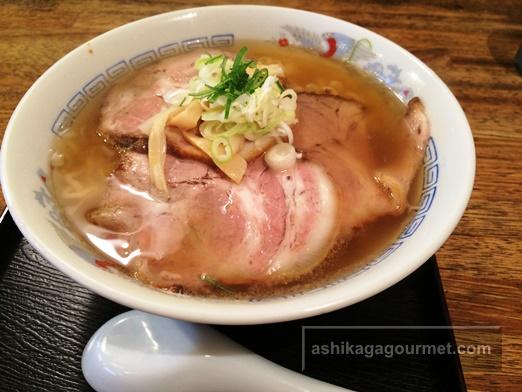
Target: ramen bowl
{"x":54,"y":101}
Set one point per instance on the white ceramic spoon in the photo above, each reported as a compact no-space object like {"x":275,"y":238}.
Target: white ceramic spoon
{"x":139,"y":352}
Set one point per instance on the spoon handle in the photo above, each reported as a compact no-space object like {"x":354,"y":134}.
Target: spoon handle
{"x":274,"y":378}
{"x":136,"y":352}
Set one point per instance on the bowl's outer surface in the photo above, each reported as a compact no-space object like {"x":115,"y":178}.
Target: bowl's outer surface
{"x":62,"y":91}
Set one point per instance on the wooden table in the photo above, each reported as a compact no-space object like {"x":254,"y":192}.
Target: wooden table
{"x":470,"y":44}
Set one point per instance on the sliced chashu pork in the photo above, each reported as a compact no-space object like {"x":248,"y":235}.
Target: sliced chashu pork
{"x":271,"y":225}
{"x":132,"y":102}
{"x":332,"y":132}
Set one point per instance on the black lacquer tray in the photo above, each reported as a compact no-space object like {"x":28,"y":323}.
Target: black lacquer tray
{"x":46,"y":319}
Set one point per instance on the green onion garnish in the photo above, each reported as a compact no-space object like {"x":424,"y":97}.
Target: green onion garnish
{"x":213,"y":59}
{"x":235,"y":82}
{"x":221,"y":149}
{"x":213,"y":282}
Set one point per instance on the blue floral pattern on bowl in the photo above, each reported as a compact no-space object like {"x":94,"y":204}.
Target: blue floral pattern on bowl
{"x":347,"y":49}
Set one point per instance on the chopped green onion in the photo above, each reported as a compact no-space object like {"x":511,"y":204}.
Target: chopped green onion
{"x":223,"y":68}
{"x":234,"y":82}
{"x":230,"y":99}
{"x":213,"y":282}
{"x":221,"y":149}
{"x":257,"y":80}
{"x":239,"y":101}
{"x":212,"y":130}
{"x":213,"y":59}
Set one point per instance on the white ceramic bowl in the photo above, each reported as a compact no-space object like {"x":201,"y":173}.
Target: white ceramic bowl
{"x":55,"y":99}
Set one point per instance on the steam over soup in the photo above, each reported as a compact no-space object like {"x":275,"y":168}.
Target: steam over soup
{"x":241,"y":174}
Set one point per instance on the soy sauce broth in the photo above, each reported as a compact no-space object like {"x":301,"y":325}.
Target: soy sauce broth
{"x":86,"y":159}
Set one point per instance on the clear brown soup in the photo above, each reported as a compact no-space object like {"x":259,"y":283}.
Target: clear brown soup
{"x":88,"y":159}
